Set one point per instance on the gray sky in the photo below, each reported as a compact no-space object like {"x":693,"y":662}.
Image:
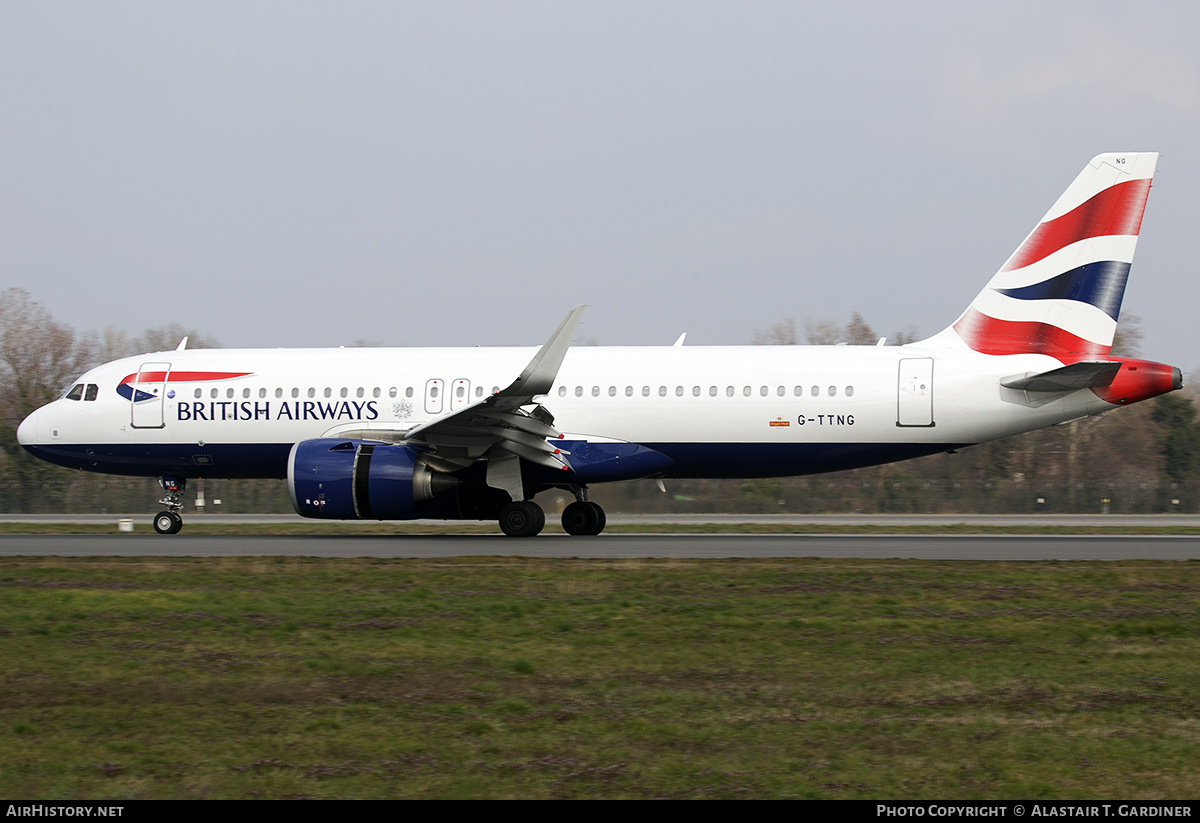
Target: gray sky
{"x":452,"y":173}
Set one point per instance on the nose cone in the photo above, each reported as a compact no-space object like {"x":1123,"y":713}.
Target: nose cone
{"x":27,"y":432}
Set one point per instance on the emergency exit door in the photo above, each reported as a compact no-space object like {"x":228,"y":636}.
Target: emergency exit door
{"x":914,"y":405}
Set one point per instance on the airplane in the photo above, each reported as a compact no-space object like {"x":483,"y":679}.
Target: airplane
{"x":476,"y":433}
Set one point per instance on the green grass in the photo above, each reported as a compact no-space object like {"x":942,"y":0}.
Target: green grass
{"x":497,"y":677}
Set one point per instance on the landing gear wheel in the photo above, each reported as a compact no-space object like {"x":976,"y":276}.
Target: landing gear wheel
{"x":522,"y":519}
{"x":168,"y":522}
{"x":602,"y":520}
{"x":581,"y":517}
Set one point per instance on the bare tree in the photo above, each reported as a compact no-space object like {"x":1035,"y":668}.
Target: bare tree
{"x":782,"y":333}
{"x":858,"y":333}
{"x":818,"y":333}
{"x":822,"y":332}
{"x":38,"y":358}
{"x":166,"y":338}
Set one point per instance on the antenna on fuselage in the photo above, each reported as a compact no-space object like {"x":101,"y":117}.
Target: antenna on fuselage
{"x":182,"y":344}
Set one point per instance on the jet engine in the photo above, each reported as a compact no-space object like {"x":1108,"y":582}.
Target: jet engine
{"x":339,"y":479}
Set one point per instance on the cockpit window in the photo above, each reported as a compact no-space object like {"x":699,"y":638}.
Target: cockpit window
{"x":91,"y":392}
{"x":76,"y":392}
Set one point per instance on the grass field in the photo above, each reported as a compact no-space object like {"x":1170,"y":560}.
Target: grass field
{"x":494,"y":677}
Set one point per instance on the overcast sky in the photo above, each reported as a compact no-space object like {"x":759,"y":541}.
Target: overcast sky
{"x":312,"y":174}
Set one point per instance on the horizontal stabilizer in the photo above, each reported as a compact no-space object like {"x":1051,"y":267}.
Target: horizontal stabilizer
{"x":1083,"y":375}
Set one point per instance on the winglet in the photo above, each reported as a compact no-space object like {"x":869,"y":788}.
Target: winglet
{"x":539,"y":375}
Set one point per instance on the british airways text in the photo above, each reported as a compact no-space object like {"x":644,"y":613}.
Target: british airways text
{"x":263,"y":410}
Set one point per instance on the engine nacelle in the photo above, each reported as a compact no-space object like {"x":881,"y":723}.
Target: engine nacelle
{"x":338,"y":479}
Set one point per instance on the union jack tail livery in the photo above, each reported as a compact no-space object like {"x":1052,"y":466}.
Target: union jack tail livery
{"x":1060,"y":292}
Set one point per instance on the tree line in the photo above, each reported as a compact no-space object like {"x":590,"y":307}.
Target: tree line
{"x":1145,"y":458}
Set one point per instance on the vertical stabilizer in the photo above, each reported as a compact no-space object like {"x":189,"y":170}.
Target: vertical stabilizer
{"x":1060,"y":292}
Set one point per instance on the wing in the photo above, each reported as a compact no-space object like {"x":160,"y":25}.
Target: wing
{"x":497,"y":427}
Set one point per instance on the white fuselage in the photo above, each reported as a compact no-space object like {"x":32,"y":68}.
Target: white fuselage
{"x":715,"y":411}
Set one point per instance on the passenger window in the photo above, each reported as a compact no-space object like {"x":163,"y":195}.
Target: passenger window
{"x":712,"y":391}
{"x":612,"y":391}
{"x":595,"y":391}
{"x":328,"y":392}
{"x":645,"y":391}
{"x":679,"y":391}
{"x":562,"y":391}
{"x":662,"y":391}
{"x":629,"y":391}
{"x":729,"y":391}
{"x":849,"y":391}
{"x":816,"y":391}
{"x":198,"y":393}
{"x":375,"y":392}
{"x":745,"y":391}
{"x":295,"y":392}
{"x":262,"y":392}
{"x":213,"y":394}
{"x":76,"y":392}
{"x":833,"y":391}
{"x":579,"y":391}
{"x":763,"y":391}
{"x":360,"y":392}
{"x":408,"y":392}
{"x":278,"y":393}
{"x":245,"y":392}
{"x":345,"y":392}
{"x":91,"y":392}
{"x":798,"y":391}
{"x":781,"y":391}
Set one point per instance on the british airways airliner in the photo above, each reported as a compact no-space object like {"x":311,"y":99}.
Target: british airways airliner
{"x":470,"y":433}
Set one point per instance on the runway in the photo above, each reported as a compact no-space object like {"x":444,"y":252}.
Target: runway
{"x":616,"y":546}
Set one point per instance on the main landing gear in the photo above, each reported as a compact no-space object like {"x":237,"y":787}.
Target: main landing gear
{"x":583,"y":517}
{"x":526,"y":518}
{"x":523,"y":518}
{"x":170,"y":521}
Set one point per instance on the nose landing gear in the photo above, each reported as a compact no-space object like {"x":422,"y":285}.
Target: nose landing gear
{"x":170,"y":521}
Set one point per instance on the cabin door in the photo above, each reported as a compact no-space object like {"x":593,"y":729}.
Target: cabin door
{"x":149,"y":391}
{"x":914,"y":404}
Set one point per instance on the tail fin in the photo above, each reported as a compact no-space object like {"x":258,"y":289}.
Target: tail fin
{"x":1060,"y":292}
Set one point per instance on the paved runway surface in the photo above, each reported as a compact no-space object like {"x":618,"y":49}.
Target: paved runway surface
{"x":1058,"y":520}
{"x":925,"y":547}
